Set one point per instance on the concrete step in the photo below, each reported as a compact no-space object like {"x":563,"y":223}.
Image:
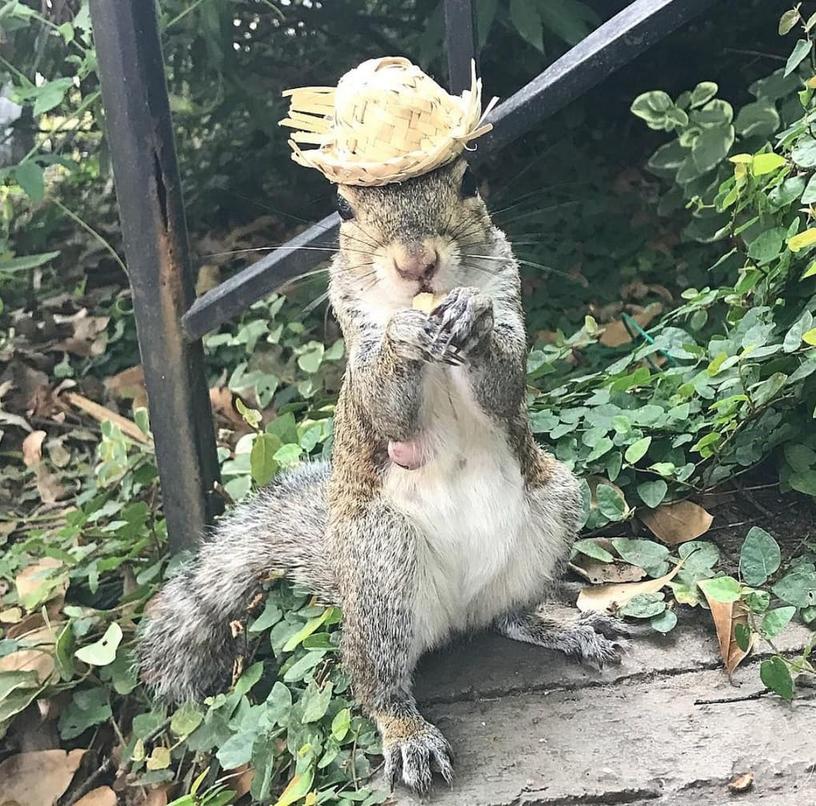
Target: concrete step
{"x":666,"y":727}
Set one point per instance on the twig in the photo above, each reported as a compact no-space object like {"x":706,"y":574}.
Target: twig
{"x":103,"y":414}
{"x":90,"y":782}
{"x":755,"y":504}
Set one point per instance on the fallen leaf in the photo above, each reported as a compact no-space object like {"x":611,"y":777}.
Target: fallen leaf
{"x":608,"y":597}
{"x":11,"y":616}
{"x":89,"y":337}
{"x":616,"y":333}
{"x":29,"y":660}
{"x":103,"y":414}
{"x":222,"y":401}
{"x":677,"y":523}
{"x":240,"y":780}
{"x":101,"y":796}
{"x":129,"y":384}
{"x":155,"y":797}
{"x":597,"y":572}
{"x":38,"y":579}
{"x":726,"y":617}
{"x":742,"y":782}
{"x":38,"y":778}
{"x":32,"y":448}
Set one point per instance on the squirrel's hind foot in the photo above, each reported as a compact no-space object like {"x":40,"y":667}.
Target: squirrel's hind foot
{"x":413,"y":750}
{"x":593,"y":638}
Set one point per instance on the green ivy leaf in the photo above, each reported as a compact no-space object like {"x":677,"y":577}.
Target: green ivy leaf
{"x":316,"y":702}
{"x":760,"y":556}
{"x":647,"y":554}
{"x":340,"y":724}
{"x":664,"y":622}
{"x":776,"y":675}
{"x":611,"y":502}
{"x":88,"y":707}
{"x":652,"y":493}
{"x":788,"y":20}
{"x":103,"y":651}
{"x":644,"y":605}
{"x":262,"y":462}
{"x":637,"y":450}
{"x":298,"y":670}
{"x":798,"y":586}
{"x":590,"y":548}
{"x":724,"y":589}
{"x":527,"y":21}
{"x":793,"y":338}
{"x":29,"y":177}
{"x":800,"y":52}
{"x":703,"y":93}
{"x":186,"y":720}
{"x":776,"y":620}
{"x":50,"y":95}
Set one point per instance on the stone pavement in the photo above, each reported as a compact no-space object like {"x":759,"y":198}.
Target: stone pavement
{"x":665,"y":728}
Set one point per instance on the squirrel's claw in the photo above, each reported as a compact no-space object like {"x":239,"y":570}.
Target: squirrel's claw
{"x":462,"y":321}
{"x":416,"y":757}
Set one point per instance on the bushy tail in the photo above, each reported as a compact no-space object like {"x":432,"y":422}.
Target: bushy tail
{"x":186,"y":649}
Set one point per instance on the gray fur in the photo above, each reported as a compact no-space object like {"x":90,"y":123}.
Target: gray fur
{"x":353,"y":533}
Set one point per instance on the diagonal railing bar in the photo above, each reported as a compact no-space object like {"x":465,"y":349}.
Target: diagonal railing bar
{"x":614,"y":44}
{"x":608,"y":48}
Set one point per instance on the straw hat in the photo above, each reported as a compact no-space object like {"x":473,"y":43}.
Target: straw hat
{"x":386,"y":121}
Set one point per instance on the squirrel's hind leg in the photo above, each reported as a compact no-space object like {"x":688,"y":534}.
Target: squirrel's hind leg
{"x":378,"y":578}
{"x":593,"y":638}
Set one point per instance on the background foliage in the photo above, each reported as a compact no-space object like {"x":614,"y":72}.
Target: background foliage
{"x":670,"y":302}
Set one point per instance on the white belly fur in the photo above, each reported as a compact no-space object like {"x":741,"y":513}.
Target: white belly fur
{"x":480,"y":549}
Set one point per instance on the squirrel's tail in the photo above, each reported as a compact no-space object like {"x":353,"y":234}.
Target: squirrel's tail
{"x":186,"y":647}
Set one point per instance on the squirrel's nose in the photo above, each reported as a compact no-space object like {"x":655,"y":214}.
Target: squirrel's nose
{"x":420,"y":264}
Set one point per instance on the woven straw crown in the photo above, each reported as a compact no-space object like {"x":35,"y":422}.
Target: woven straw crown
{"x":386,"y":121}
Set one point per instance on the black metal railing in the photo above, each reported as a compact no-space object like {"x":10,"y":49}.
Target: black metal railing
{"x":170,"y":321}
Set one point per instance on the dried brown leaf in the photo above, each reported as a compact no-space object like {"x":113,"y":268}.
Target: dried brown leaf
{"x":742,"y":782}
{"x":32,"y":448}
{"x":29,"y":660}
{"x":38,"y":778}
{"x":598,"y":572}
{"x":129,"y":384}
{"x":615,"y":333}
{"x":726,"y":617}
{"x":608,"y":597}
{"x":32,"y":576}
{"x":103,"y":414}
{"x":101,"y":796}
{"x":677,"y":523}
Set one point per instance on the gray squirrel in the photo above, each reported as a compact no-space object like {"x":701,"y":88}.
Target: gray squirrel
{"x":439,"y":514}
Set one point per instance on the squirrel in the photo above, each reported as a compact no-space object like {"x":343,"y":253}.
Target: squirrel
{"x":439,"y":513}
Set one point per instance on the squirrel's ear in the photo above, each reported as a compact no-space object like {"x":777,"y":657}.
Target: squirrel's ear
{"x":470,"y":187}
{"x":344,"y":209}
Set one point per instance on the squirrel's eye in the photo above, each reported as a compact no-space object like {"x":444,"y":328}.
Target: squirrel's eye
{"x":344,"y":208}
{"x":469,"y":185}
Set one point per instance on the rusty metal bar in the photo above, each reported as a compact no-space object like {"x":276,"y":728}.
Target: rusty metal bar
{"x":614,"y":44}
{"x":460,"y":43}
{"x":151,"y":211}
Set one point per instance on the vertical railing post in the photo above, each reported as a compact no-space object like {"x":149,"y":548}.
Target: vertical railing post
{"x":460,"y":43}
{"x":151,"y":211}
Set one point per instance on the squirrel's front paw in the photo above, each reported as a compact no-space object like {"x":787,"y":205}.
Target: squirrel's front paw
{"x":414,"y":749}
{"x":408,"y":336}
{"x":464,"y":322}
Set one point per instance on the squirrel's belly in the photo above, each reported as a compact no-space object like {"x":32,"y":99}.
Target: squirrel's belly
{"x":479,"y":546}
